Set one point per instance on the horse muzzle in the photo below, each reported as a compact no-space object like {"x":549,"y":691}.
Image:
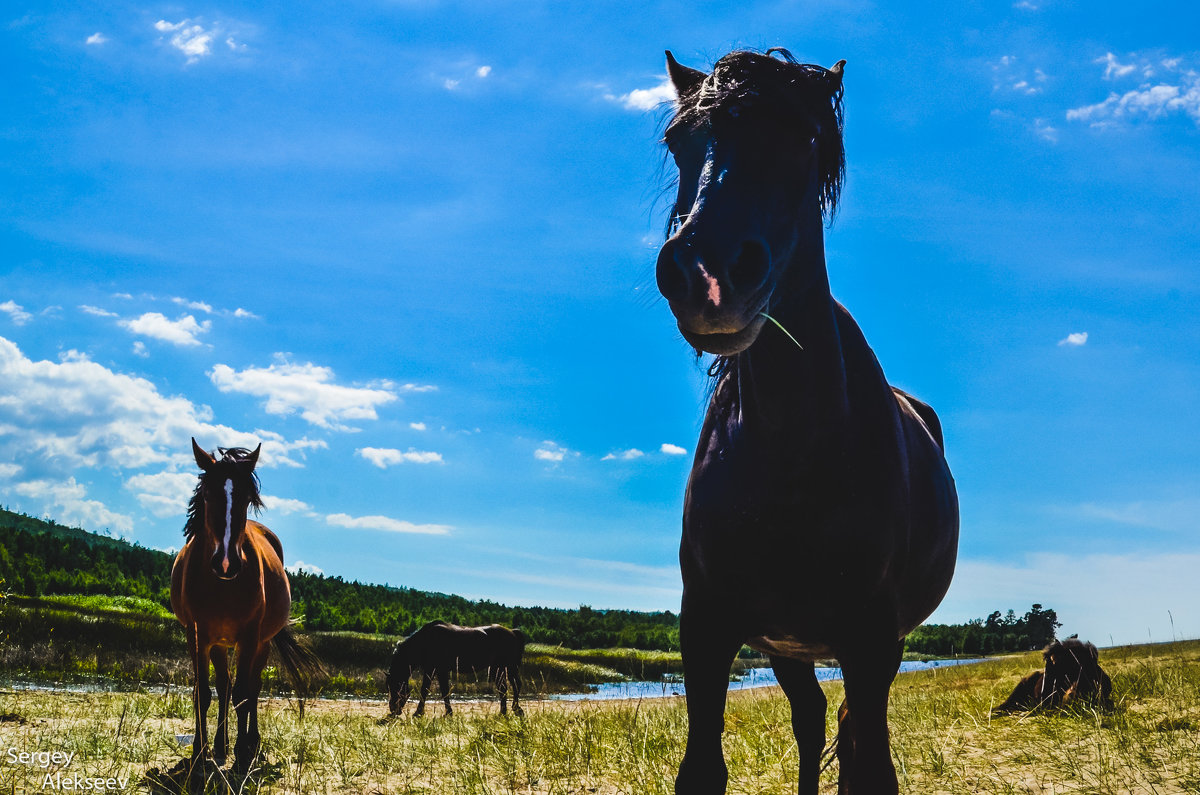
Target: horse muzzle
{"x":717,"y":301}
{"x":226,"y":567}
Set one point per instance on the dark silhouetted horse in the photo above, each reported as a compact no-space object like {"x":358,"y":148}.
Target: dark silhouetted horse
{"x":1072,"y":675}
{"x":229,"y":590}
{"x":820,"y":519}
{"x":439,"y":649}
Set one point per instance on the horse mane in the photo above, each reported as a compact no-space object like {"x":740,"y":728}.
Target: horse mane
{"x":227,"y":467}
{"x":806,"y":93}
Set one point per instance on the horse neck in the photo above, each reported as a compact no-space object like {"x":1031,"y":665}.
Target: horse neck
{"x":782,"y":385}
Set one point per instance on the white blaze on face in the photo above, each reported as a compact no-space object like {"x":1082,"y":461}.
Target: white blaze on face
{"x":228,"y":522}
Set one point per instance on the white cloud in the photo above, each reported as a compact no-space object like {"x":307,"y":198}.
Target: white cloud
{"x":553,"y":452}
{"x":1075,"y":339}
{"x":307,"y":568}
{"x":199,"y":306}
{"x":9,"y":471}
{"x":97,"y":38}
{"x":483,"y":71}
{"x":450,"y":84}
{"x":631,"y":454}
{"x":1179,"y":93}
{"x":308,"y":388}
{"x":139,"y":349}
{"x":71,"y":506}
{"x":189,"y":38}
{"x":1114,"y":69}
{"x":417,"y":426}
{"x":1174,"y":516}
{"x":96,"y":311}
{"x":385,"y":523}
{"x":17,"y":312}
{"x":647,"y":98}
{"x":286,"y":505}
{"x":1045,"y":131}
{"x":163,"y":493}
{"x":673,"y":449}
{"x":240,"y":313}
{"x":418,"y":388}
{"x":383,"y":457}
{"x":183,"y":331}
{"x":58,"y":417}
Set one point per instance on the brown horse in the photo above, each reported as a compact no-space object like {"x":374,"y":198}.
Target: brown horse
{"x":229,"y":590}
{"x":439,"y":649}
{"x":820,"y":518}
{"x":1072,"y":675}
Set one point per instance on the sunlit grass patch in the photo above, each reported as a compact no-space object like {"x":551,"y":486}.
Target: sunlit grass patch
{"x":945,"y":738}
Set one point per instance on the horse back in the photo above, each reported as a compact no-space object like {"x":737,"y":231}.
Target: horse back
{"x":439,"y":645}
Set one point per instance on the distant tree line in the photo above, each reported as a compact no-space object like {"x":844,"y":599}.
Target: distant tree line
{"x":991,"y":635}
{"x":42,"y":558}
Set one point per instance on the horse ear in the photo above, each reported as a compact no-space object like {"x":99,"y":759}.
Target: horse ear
{"x":684,"y":78}
{"x":252,"y":459}
{"x":203,"y":459}
{"x":835,"y":73}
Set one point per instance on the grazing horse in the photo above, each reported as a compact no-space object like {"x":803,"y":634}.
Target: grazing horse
{"x":1072,"y":674}
{"x":820,"y":518}
{"x":229,"y":590}
{"x":439,"y":649}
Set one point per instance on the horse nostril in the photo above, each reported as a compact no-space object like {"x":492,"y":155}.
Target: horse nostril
{"x":670,"y":273}
{"x":750,"y":270}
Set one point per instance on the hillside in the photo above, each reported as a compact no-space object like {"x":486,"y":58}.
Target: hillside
{"x":41,"y":558}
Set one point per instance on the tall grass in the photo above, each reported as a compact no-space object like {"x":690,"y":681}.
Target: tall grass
{"x":944,"y":738}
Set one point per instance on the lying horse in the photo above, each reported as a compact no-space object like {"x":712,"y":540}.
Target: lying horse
{"x":229,"y":590}
{"x":1072,"y":674}
{"x":439,"y":649}
{"x":820,"y":518}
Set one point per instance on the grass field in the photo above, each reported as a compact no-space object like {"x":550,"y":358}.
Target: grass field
{"x":944,"y":738}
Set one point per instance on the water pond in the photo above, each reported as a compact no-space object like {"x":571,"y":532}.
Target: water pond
{"x":755,"y":677}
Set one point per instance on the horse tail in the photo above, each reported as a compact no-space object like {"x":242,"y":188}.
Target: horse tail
{"x":299,"y":661}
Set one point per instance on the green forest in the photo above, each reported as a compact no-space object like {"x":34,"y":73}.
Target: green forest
{"x":42,"y":558}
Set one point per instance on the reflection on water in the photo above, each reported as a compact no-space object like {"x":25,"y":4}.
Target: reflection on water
{"x":755,"y":677}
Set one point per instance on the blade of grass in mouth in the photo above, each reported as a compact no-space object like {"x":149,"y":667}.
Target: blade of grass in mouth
{"x":781,"y":328}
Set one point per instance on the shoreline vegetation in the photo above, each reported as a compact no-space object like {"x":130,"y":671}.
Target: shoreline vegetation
{"x":945,"y":738}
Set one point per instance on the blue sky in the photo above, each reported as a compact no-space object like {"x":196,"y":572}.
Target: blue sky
{"x":409,"y":247}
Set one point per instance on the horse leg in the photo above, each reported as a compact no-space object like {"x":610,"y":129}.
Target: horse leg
{"x":514,"y":679}
{"x":426,"y":684}
{"x":252,"y":658}
{"x":201,"y":695}
{"x":868,"y":673}
{"x":707,"y":656}
{"x":444,"y":685}
{"x":800,"y":685}
{"x":220,"y":661}
{"x":502,"y":686}
{"x":845,"y":748}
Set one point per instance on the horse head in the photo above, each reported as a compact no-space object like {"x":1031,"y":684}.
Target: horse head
{"x":398,"y":680}
{"x":227,"y":491}
{"x":758,"y":145}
